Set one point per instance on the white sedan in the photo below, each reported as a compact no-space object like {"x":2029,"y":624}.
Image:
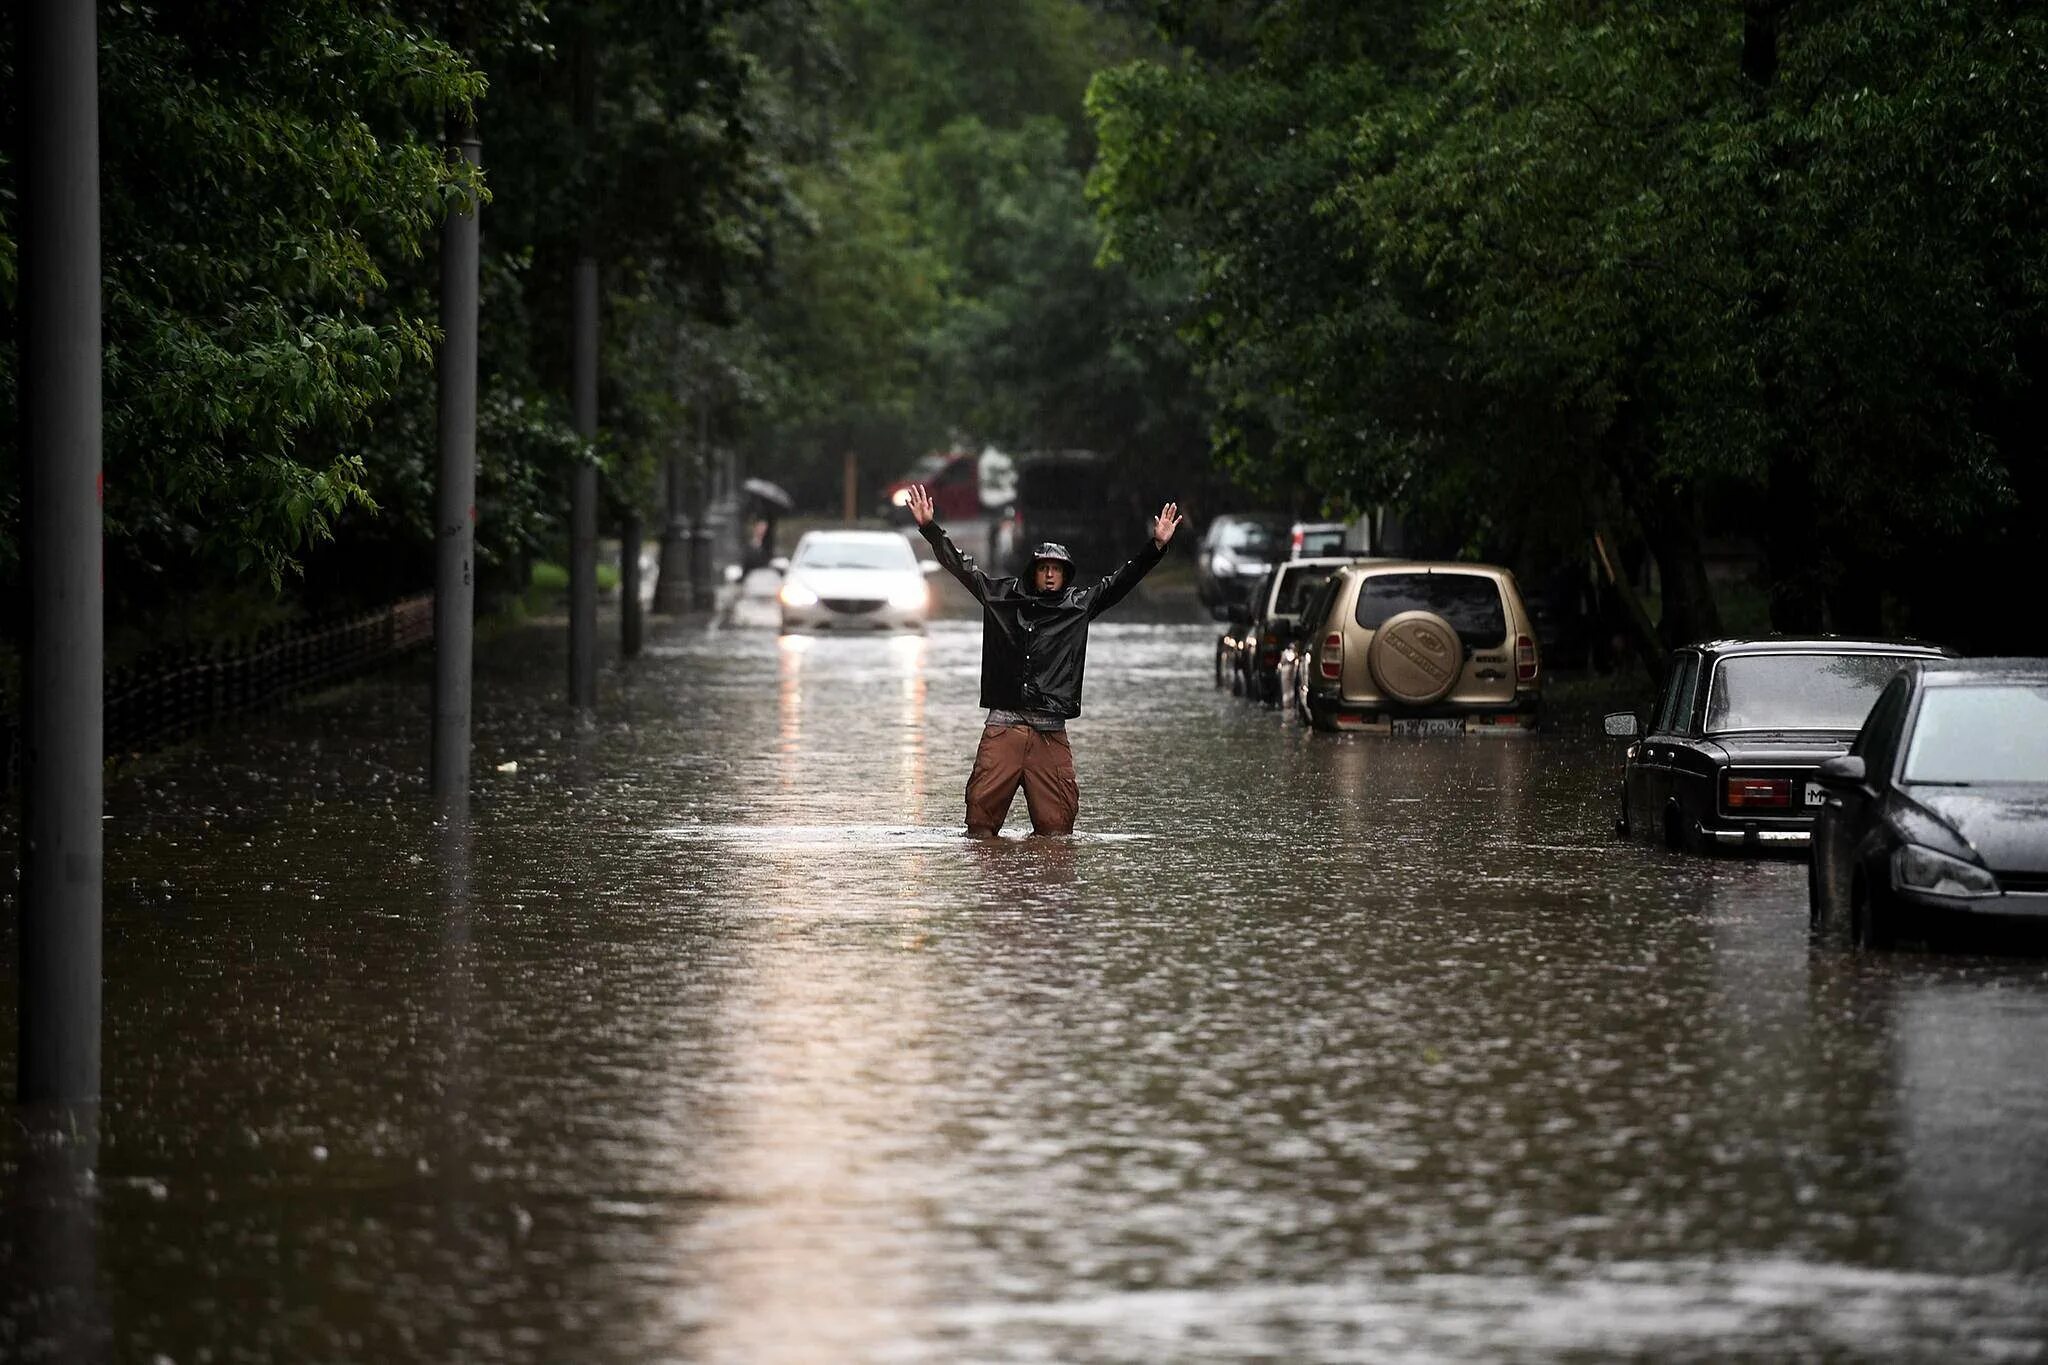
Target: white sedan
{"x":860,"y":580}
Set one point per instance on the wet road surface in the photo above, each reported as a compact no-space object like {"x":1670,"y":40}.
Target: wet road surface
{"x":712,"y":1040}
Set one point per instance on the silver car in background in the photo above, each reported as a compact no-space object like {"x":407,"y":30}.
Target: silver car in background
{"x":855,"y":580}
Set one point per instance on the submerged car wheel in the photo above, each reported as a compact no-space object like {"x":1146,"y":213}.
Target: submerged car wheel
{"x":1675,"y":837}
{"x":1873,"y":924}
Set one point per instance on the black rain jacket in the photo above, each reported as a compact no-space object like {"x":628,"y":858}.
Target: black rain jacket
{"x":1034,"y":647}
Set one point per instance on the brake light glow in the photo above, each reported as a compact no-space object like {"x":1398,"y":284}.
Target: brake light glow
{"x":1525,"y":659}
{"x":1752,"y":793}
{"x":1333,"y":654}
{"x":1297,"y":539}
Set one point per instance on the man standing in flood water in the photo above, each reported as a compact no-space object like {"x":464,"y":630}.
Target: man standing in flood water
{"x":1034,"y":645}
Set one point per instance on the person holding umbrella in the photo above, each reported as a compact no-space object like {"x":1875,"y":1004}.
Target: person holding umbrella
{"x":1034,"y":648}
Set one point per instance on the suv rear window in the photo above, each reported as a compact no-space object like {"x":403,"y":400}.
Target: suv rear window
{"x":1470,"y":602}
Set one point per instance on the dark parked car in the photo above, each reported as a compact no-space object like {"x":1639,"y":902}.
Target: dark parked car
{"x":1236,"y":551}
{"x":1938,"y":814}
{"x":1728,"y":760}
{"x":1250,"y":649}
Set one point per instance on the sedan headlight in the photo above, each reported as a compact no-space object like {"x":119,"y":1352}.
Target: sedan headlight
{"x":797,"y":595}
{"x":910,"y":597}
{"x":1915,"y":868}
{"x":1223,"y":566}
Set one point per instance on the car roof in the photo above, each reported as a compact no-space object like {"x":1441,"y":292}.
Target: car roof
{"x":870,"y":536}
{"x":1321,"y":562}
{"x":1369,"y":564}
{"x":1963,"y":672}
{"x":1819,"y":644}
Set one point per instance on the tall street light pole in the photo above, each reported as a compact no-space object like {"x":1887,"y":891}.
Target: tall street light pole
{"x":59,"y":1003}
{"x":455,"y":494}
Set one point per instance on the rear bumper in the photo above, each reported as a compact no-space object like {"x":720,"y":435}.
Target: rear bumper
{"x":1752,"y":834}
{"x":1375,"y":716}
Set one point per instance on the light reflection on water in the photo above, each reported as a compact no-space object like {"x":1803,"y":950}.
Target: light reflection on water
{"x":714,"y":1040}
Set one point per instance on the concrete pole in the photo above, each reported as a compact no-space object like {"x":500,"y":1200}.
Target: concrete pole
{"x":455,"y":495}
{"x":630,"y":625}
{"x":62,"y":797}
{"x":583,"y":404}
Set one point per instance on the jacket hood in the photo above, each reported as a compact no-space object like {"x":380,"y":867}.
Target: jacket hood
{"x":2006,"y":826}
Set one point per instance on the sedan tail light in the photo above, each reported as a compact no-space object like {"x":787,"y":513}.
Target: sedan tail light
{"x":1525,"y":659}
{"x":1754,"y":793}
{"x":1333,"y":654}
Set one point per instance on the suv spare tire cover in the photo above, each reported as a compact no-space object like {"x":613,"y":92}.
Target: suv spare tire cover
{"x":1416,"y":657}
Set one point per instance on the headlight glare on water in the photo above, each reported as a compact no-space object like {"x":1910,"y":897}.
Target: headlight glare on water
{"x":1915,"y":868}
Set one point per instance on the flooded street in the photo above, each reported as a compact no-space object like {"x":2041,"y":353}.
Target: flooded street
{"x":714,"y":1040}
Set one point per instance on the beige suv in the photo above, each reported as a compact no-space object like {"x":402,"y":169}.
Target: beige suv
{"x":1415,"y":648}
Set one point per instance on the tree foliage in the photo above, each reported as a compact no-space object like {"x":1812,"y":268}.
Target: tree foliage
{"x":1770,"y":270}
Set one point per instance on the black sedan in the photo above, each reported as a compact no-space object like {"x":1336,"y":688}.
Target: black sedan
{"x":1938,"y":814}
{"x":1728,"y":759}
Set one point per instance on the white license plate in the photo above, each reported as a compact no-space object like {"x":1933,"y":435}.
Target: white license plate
{"x":1429,"y":727}
{"x":1816,"y":794}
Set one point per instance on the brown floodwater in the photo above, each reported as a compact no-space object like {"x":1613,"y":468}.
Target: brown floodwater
{"x":711,"y":1039}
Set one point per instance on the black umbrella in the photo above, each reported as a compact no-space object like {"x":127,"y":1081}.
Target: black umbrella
{"x":763,"y":491}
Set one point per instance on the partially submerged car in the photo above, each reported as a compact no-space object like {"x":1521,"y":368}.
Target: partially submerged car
{"x":1249,"y":652}
{"x":855,"y":580}
{"x":1729,"y":759}
{"x":1938,"y":814}
{"x":1418,"y":648}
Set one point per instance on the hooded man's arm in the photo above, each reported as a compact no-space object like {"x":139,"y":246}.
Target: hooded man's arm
{"x":953,"y":562}
{"x":1113,"y":589}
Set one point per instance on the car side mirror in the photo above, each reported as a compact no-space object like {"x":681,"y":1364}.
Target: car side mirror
{"x":1621,"y":724}
{"x":928,"y":566}
{"x":1848,"y":770}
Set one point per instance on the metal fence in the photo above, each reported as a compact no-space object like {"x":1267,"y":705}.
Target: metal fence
{"x":171,"y":694}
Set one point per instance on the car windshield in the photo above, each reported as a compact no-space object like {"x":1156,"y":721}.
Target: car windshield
{"x":857,"y":554}
{"x":1321,"y":541}
{"x":1298,"y":587}
{"x":1249,"y":538}
{"x":1971,"y":734}
{"x":1797,"y":691}
{"x":1469,"y":601}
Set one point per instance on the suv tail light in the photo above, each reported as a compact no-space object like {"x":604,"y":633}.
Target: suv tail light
{"x":1753,"y":793}
{"x":1295,"y":541}
{"x":1333,"y":654}
{"x":1525,"y":659}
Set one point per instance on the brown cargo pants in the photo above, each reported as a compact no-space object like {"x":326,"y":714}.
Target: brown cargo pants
{"x":1014,"y":755}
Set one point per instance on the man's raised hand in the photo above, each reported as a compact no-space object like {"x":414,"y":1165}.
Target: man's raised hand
{"x":1168,"y":523}
{"x":920,"y":504}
